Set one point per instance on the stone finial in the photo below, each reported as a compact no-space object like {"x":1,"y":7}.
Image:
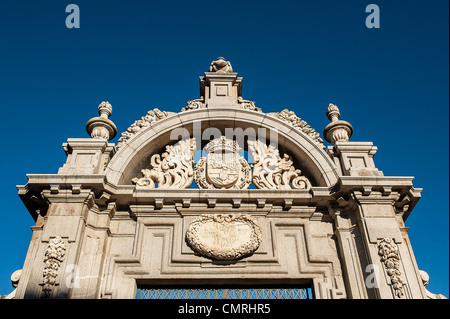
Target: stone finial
{"x":102,"y":127}
{"x":104,"y":109}
{"x":221,"y":66}
{"x":337,"y":130}
{"x":333,"y":113}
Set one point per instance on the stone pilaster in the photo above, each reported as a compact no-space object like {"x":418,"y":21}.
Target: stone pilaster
{"x":395,"y":273}
{"x":350,"y":251}
{"x":56,"y":244}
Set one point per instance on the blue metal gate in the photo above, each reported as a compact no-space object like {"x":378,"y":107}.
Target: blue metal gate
{"x":230,"y":293}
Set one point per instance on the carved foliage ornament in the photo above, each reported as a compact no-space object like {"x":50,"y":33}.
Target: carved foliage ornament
{"x":222,"y":168}
{"x":291,"y":118}
{"x":145,"y":121}
{"x":388,"y":252}
{"x":270,"y":171}
{"x":173,"y":169}
{"x":224,"y":236}
{"x":53,"y":258}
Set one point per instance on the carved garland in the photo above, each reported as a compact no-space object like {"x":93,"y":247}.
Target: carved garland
{"x":388,"y":251}
{"x":227,"y":220}
{"x":53,"y":258}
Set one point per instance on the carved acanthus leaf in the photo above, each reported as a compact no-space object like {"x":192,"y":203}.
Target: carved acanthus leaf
{"x":291,"y":118}
{"x":270,"y":171}
{"x":173,"y":169}
{"x":145,"y":121}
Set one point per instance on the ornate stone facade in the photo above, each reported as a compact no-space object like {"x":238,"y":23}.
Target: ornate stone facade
{"x":219,"y":204}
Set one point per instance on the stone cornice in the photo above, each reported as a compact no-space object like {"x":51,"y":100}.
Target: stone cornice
{"x":397,"y":190}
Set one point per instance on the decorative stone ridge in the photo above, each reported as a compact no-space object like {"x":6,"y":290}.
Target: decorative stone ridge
{"x":222,"y":167}
{"x":388,"y":251}
{"x":145,"y":121}
{"x":290,"y":117}
{"x":224,"y":236}
{"x":173,"y":169}
{"x":53,"y":258}
{"x":270,"y":171}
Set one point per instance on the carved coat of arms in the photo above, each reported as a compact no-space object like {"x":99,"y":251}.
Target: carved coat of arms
{"x":224,"y":236}
{"x":223,"y":166}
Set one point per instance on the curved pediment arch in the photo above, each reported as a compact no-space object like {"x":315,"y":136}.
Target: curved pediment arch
{"x":306,"y":153}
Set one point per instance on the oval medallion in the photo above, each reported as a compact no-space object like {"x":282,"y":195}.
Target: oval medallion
{"x":224,"y":236}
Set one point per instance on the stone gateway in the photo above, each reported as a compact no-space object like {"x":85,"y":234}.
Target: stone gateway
{"x":220,"y":193}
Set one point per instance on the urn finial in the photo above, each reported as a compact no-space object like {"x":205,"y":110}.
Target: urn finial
{"x":102,"y":127}
{"x":337,"y":130}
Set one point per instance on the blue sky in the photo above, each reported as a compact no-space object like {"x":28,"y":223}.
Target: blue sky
{"x":390,"y":83}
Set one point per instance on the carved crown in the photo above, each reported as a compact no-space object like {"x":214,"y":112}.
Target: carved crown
{"x":222,"y":144}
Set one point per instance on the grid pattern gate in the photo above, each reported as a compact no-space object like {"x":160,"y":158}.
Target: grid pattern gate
{"x":250,"y":293}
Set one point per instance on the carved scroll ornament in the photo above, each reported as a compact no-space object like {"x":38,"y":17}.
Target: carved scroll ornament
{"x":224,"y":236}
{"x":388,"y":252}
{"x":248,"y":105}
{"x":270,"y":171}
{"x":173,"y":169}
{"x":194,"y":104}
